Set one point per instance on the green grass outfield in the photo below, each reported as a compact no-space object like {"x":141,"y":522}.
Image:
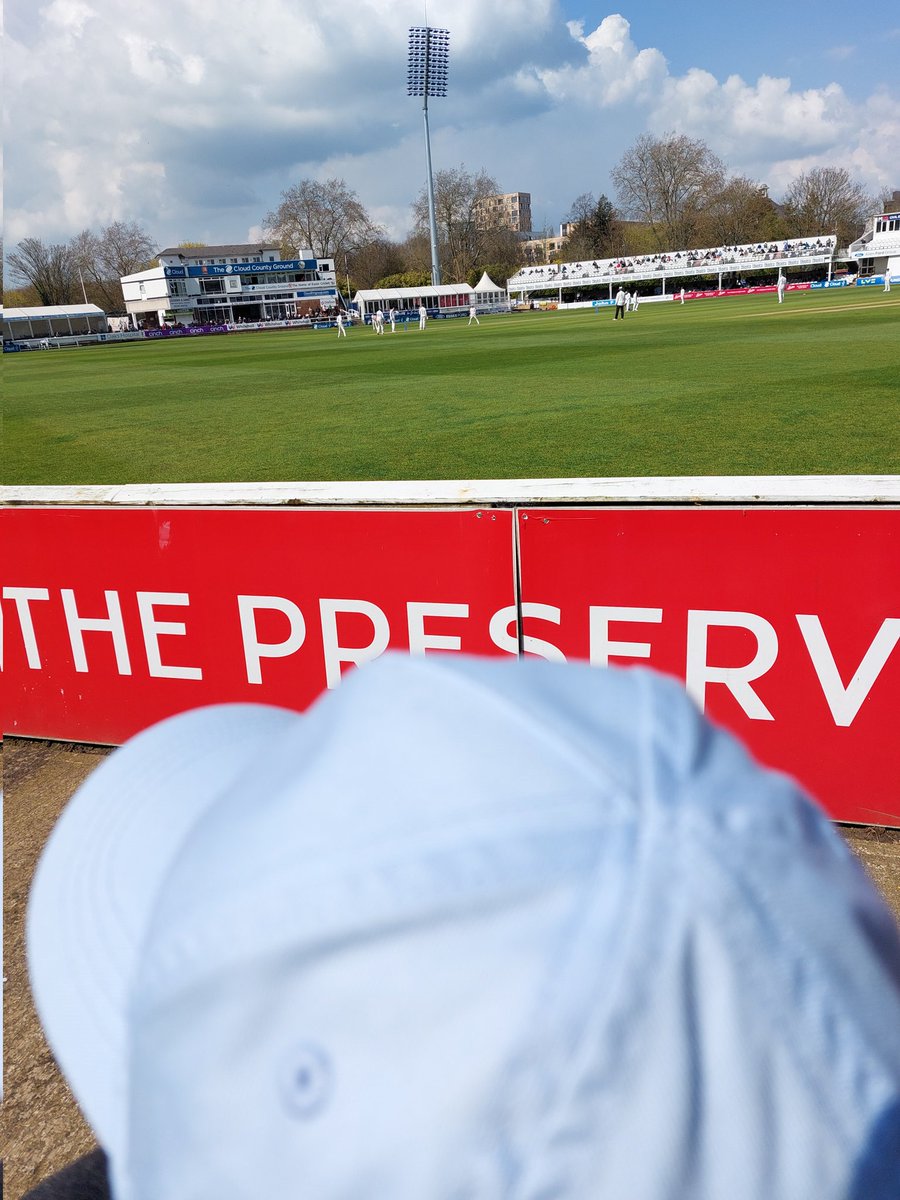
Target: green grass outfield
{"x":712,"y":387}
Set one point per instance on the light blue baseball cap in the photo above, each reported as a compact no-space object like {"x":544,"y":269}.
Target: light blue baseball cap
{"x":470,"y":928}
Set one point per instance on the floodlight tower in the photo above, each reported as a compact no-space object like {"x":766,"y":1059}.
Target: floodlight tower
{"x":429,"y":56}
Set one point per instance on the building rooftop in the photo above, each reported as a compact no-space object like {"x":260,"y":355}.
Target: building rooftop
{"x":218,"y":251}
{"x":53,"y":310}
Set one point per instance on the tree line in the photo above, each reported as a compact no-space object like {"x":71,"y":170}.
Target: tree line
{"x":671,"y":192}
{"x":85,"y":269}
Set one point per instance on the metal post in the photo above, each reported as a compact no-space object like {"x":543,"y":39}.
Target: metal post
{"x":432,"y":219}
{"x":428,"y":60}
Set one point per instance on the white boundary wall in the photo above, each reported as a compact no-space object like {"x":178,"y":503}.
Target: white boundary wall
{"x":706,"y":489}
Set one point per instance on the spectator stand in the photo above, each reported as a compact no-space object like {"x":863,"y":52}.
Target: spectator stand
{"x":665,"y":266}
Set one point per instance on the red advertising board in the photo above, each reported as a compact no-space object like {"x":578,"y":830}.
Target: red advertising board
{"x":116,"y":617}
{"x":785,"y":624}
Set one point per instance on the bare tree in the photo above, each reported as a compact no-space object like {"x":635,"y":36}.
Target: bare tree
{"x":50,"y":269}
{"x":372,"y":261}
{"x":666,"y":182}
{"x":326,"y":218}
{"x":826,"y":200}
{"x":740,"y":212}
{"x":103,"y":258}
{"x":463,"y":230}
{"x":417,"y":253}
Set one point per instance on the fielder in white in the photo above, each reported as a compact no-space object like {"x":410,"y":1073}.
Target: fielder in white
{"x":887,"y":279}
{"x":392,"y":317}
{"x":781,"y":287}
{"x":423,"y":316}
{"x":473,"y":315}
{"x":342,"y":332}
{"x":378,"y":321}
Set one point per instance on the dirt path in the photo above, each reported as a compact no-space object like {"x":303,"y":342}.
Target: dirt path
{"x":41,"y":1128}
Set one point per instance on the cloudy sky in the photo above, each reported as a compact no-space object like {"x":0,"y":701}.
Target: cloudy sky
{"x":192,"y":118}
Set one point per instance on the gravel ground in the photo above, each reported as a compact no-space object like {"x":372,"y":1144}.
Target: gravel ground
{"x":41,"y":1128}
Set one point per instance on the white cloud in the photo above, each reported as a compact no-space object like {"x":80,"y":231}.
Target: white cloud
{"x":193,"y":118}
{"x":741,"y":119}
{"x":614,"y":72}
{"x":764,"y":128}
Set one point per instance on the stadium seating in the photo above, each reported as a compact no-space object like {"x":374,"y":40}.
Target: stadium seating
{"x":749,"y":257}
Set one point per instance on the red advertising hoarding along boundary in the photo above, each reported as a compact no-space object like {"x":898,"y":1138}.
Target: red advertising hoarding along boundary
{"x":116,"y":618}
{"x":784,"y":621}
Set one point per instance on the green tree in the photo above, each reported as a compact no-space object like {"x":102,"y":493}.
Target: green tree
{"x":596,"y":228}
{"x":405,"y":279}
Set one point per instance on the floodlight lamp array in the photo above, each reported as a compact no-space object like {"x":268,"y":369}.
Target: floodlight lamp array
{"x":429,"y":58}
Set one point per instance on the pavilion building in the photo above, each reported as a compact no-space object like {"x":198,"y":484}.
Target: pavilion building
{"x":208,"y":285}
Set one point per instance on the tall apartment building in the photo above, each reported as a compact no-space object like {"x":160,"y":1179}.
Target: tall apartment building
{"x":512,"y":211}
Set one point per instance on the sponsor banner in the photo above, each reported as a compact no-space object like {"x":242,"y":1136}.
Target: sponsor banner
{"x":713,"y":293}
{"x":184,"y":331}
{"x":871,"y":281}
{"x":257,"y":268}
{"x":831,"y":283}
{"x":287,"y":323}
{"x":784,"y":624}
{"x":116,"y":618}
{"x":175,"y":272}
